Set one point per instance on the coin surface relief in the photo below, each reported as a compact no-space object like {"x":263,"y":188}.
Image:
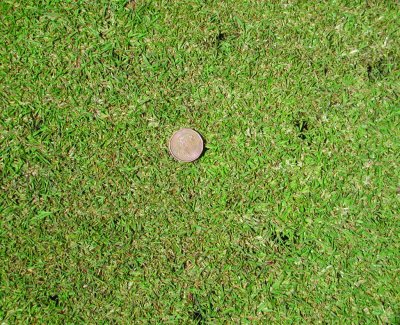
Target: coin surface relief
{"x":186,"y":145}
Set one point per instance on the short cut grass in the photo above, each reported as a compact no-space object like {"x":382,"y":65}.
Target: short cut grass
{"x":292,"y":214}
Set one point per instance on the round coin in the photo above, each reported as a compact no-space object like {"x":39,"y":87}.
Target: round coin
{"x":186,"y":145}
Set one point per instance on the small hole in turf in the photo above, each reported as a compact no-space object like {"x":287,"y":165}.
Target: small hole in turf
{"x":302,"y":126}
{"x":55,"y":299}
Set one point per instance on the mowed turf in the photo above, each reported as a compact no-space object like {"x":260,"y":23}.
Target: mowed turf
{"x":291,"y":215}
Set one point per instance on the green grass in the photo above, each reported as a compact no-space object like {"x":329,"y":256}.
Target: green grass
{"x":292,"y":214}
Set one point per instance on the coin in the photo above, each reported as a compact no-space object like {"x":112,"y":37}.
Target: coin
{"x":186,"y":145}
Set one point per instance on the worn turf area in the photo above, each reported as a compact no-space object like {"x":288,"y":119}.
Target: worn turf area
{"x":292,"y":214}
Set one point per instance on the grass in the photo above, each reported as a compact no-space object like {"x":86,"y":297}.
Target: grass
{"x":292,"y":214}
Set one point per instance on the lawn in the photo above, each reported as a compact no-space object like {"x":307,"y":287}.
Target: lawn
{"x":292,"y":214}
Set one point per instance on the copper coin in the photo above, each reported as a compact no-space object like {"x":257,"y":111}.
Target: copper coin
{"x":186,"y":145}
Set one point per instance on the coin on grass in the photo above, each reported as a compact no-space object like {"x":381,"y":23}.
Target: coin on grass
{"x":186,"y":145}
